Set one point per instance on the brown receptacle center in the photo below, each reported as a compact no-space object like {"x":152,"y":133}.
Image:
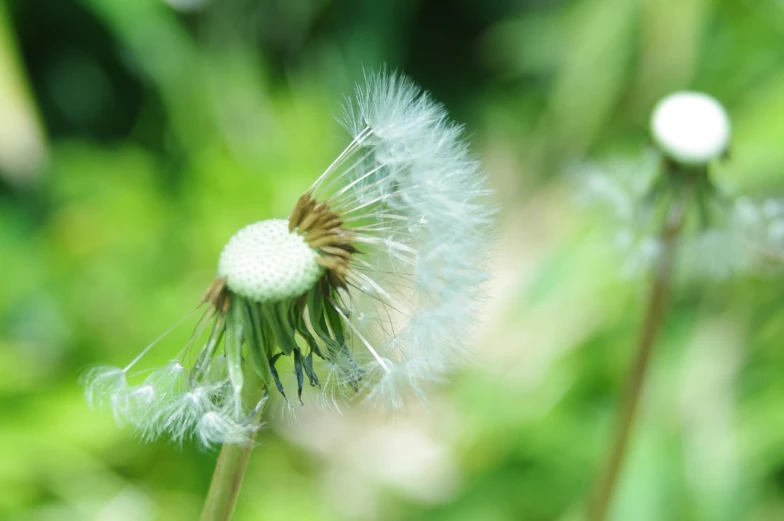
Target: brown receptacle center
{"x":217,"y":295}
{"x":322,"y":228}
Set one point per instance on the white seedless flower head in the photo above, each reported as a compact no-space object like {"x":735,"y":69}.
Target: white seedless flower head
{"x":690,"y":128}
{"x":369,"y":287}
{"x":265,"y":262}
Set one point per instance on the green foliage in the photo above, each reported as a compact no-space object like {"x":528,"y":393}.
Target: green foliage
{"x":167,"y":131}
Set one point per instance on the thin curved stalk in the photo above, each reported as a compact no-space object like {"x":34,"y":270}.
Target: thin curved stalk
{"x":656,"y":309}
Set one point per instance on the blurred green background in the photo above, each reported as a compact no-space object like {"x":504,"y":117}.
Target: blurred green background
{"x":137,"y":135}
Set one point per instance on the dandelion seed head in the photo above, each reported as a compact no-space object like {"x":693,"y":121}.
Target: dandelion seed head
{"x":414,"y":292}
{"x":369,"y":289}
{"x":264,"y":262}
{"x":691,"y":128}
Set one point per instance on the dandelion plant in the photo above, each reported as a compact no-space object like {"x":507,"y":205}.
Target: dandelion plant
{"x":369,"y":287}
{"x":677,"y":207}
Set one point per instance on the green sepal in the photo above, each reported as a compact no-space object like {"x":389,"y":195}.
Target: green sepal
{"x":312,"y":376}
{"x":280,"y":323}
{"x":319,"y":322}
{"x":335,"y":321}
{"x":267,"y":337}
{"x":275,"y":376}
{"x":304,"y":332}
{"x":255,"y":342}
{"x":298,"y":372}
{"x":321,"y":310}
{"x":234,"y":346}
{"x":205,"y":355}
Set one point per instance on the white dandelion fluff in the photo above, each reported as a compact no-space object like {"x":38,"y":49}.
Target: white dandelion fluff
{"x":215,"y":428}
{"x":102,"y":385}
{"x":724,"y":235}
{"x":370,"y":287}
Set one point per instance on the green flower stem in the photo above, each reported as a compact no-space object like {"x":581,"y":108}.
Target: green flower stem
{"x":658,"y":300}
{"x":226,"y":482}
{"x":232,"y":461}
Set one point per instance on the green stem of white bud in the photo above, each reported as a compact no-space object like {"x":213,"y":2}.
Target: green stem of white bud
{"x":658,"y":300}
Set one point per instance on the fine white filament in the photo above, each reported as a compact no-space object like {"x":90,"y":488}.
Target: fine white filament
{"x":418,"y":206}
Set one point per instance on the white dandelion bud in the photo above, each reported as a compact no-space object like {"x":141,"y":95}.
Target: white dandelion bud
{"x":369,"y":287}
{"x":691,"y":128}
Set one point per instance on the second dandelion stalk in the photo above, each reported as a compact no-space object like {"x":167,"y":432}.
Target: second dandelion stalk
{"x":658,"y":300}
{"x":691,"y":130}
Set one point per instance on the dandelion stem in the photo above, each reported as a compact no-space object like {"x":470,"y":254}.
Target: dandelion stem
{"x":658,"y":299}
{"x":226,"y":482}
{"x":233,"y":460}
